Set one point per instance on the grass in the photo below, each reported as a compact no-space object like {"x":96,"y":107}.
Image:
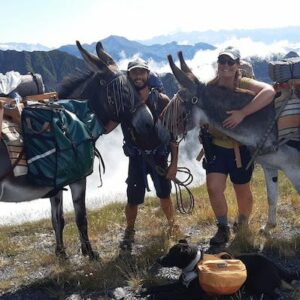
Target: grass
{"x":29,"y":248}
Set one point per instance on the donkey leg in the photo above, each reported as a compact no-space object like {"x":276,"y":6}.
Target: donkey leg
{"x":271,"y":178}
{"x":292,"y":172}
{"x":58,"y":223}
{"x":78,"y":190}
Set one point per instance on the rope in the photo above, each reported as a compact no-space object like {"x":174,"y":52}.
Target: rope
{"x":181,"y":206}
{"x":174,"y":117}
{"x":11,"y":169}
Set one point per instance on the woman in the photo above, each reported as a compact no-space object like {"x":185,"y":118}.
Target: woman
{"x":227,"y":151}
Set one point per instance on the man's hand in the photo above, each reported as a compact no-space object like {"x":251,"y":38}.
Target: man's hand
{"x":171,"y":171}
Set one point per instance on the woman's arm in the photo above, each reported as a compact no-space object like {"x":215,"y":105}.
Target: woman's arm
{"x":264,"y":95}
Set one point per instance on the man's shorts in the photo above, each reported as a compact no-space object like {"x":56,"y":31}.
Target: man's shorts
{"x":137,"y":179}
{"x":225,"y":163}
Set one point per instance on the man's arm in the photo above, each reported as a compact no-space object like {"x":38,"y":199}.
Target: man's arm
{"x":172,"y":169}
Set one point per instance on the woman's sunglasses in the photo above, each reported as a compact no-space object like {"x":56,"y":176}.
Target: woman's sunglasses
{"x":222,"y":60}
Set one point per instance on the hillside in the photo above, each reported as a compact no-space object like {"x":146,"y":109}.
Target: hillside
{"x":56,"y":64}
{"x":29,"y":269}
{"x":52,"y":65}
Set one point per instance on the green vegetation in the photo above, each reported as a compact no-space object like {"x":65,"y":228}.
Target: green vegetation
{"x":28,"y":249}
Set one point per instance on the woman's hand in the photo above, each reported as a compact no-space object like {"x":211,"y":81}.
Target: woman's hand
{"x":235,"y":118}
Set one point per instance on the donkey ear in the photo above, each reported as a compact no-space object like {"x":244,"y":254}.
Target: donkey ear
{"x":92,"y":61}
{"x":184,"y":67}
{"x":181,"y":77}
{"x":106,"y":58}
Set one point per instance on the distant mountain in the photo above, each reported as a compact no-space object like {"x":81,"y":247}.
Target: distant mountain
{"x":52,"y":65}
{"x":214,"y":37}
{"x":23,"y":47}
{"x":120,"y":47}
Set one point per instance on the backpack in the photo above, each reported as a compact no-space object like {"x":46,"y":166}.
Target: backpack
{"x":59,"y":147}
{"x":218,"y":276}
{"x":284,"y":70}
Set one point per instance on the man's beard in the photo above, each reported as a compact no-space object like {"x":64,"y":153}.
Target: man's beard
{"x":138,"y":88}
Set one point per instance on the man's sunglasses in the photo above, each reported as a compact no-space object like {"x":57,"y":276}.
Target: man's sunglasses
{"x":225,"y":60}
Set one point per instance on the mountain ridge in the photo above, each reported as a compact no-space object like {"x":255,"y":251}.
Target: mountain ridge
{"x":119,"y":47}
{"x":214,"y":37}
{"x":54,"y":65}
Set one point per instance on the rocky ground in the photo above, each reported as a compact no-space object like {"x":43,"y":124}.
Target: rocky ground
{"x":34,"y":285}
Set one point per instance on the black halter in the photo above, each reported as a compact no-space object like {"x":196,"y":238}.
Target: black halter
{"x":117,"y":90}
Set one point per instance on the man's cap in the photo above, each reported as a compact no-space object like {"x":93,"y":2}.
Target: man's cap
{"x":231,"y":52}
{"x":138,"y":63}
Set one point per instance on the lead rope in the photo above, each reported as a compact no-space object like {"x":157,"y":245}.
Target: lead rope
{"x":181,"y":206}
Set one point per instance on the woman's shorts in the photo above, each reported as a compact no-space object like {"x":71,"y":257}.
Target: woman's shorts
{"x":137,"y":179}
{"x":225,"y":163}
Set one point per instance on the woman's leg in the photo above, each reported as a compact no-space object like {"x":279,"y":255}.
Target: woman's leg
{"x":216,"y":185}
{"x":244,"y":201}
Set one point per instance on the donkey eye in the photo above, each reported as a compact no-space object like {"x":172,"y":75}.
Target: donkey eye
{"x":195,"y":100}
{"x":102,"y":82}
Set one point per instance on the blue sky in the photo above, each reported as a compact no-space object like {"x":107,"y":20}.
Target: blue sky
{"x":57,"y":22}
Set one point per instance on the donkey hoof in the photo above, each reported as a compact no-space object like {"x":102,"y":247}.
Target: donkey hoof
{"x":265,"y":230}
{"x":94,"y":255}
{"x":61,"y":254}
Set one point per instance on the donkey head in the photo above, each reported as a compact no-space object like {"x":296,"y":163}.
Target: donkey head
{"x":198,"y":103}
{"x":178,"y":116}
{"x":109,"y":92}
{"x":111,"y":95}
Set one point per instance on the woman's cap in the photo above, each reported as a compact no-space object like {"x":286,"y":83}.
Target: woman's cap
{"x":138,"y":63}
{"x":231,"y":52}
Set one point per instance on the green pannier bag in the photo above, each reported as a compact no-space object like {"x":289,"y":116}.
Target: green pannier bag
{"x":59,"y":147}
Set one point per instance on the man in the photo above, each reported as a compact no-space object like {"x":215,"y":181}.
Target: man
{"x":143,"y":162}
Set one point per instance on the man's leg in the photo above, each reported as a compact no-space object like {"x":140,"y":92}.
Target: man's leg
{"x":131,"y":211}
{"x":135,"y":196}
{"x":167,"y":207}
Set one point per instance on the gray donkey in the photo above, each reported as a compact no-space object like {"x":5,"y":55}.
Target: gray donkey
{"x":197,"y":103}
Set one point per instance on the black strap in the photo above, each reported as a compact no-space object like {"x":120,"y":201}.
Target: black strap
{"x":11,"y":169}
{"x":268,"y":130}
{"x":101,"y":162}
{"x":36,"y":82}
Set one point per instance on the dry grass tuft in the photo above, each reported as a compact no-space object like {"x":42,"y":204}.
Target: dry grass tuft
{"x":29,"y":248}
